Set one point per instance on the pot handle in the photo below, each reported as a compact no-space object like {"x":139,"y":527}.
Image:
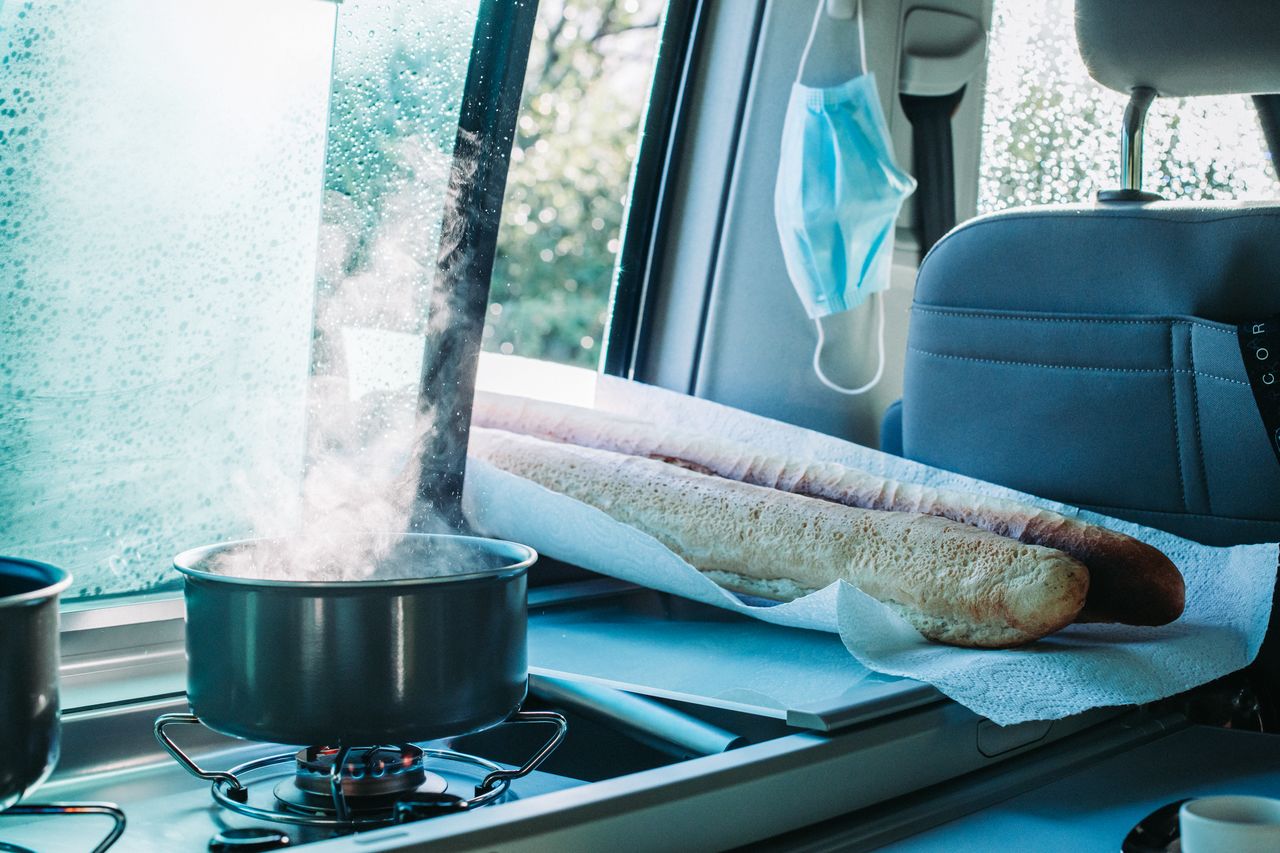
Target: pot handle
{"x":501,"y":777}
{"x":237,"y":790}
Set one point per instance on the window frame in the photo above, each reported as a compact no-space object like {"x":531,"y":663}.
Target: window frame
{"x":650,"y":198}
{"x":128,"y":647}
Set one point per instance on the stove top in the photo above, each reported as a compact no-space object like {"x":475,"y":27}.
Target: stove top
{"x":798,"y":732}
{"x":171,"y":811}
{"x":348,"y":788}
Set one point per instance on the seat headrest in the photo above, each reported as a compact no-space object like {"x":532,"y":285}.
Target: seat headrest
{"x":1182,"y":47}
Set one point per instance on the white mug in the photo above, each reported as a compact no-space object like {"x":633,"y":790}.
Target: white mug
{"x":1230,"y":825}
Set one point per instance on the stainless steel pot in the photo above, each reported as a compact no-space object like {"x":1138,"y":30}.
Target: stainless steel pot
{"x":30,"y":731}
{"x":360,"y":662}
{"x":29,"y":734}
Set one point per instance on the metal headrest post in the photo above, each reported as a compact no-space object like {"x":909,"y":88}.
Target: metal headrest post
{"x":1135,"y":118}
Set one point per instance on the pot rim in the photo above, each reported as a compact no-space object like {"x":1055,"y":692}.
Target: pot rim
{"x":56,"y":581}
{"x":522,"y":555}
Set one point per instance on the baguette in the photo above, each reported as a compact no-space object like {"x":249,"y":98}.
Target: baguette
{"x":955,"y":583}
{"x":1130,"y":581}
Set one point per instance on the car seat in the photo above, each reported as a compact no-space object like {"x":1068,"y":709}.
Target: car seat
{"x":1089,"y":353}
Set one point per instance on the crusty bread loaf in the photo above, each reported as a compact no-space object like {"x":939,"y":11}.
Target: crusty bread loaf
{"x":955,"y":583}
{"x":1130,"y":581}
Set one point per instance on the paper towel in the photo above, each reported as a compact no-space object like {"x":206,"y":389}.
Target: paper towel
{"x":1081,"y":667}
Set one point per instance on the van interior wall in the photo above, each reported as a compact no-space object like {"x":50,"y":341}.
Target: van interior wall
{"x":726,"y":324}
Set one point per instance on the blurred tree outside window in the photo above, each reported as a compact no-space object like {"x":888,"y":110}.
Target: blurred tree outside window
{"x":588,"y":82}
{"x":1051,"y":134}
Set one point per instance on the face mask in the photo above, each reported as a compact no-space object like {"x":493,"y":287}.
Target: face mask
{"x":837,"y":197}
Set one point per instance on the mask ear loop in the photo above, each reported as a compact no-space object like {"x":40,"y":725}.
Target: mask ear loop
{"x":879,"y":298}
{"x":808,"y":44}
{"x":862,"y":389}
{"x":813,"y":31}
{"x":862,"y":39}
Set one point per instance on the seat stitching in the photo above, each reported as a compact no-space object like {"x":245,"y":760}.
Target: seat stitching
{"x":1099,"y":369}
{"x":1107,"y":509}
{"x":1195,"y":411}
{"x":1039,"y":364}
{"x":1177,"y":428}
{"x":978,"y":313}
{"x":1216,"y":376}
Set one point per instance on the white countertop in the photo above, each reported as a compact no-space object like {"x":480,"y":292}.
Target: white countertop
{"x":1094,"y":808}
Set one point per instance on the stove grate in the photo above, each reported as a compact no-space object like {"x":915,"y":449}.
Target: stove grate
{"x":110,"y":810}
{"x":340,"y":809}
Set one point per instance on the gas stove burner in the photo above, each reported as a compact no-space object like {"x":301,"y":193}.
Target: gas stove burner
{"x":355,"y":788}
{"x":371,"y":771}
{"x":285,"y":802}
{"x":373,"y":779}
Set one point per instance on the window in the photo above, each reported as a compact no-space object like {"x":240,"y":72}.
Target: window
{"x":219,"y":226}
{"x":1051,"y":134}
{"x":202,"y":263}
{"x":590,"y":72}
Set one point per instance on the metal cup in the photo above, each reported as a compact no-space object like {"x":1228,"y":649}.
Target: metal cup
{"x":29,"y":730}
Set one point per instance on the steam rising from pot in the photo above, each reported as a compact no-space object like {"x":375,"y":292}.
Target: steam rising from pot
{"x":366,"y":433}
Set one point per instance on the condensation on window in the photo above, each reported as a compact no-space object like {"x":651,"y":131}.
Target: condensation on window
{"x":1051,"y":134}
{"x":182,"y":224}
{"x":160,"y":189}
{"x":399,"y":73}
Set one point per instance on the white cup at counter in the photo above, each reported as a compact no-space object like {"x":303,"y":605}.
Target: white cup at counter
{"x":1234,"y":824}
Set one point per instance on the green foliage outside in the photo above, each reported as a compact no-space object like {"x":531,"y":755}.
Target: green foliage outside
{"x":1050,"y":135}
{"x":397,"y":88}
{"x":589,"y":76}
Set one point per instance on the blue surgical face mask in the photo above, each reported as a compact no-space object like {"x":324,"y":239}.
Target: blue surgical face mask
{"x":837,"y":198}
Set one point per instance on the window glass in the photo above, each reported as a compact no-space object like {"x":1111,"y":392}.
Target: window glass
{"x":590,"y":71}
{"x":400,"y":70}
{"x":1051,"y":134}
{"x":169,"y":175}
